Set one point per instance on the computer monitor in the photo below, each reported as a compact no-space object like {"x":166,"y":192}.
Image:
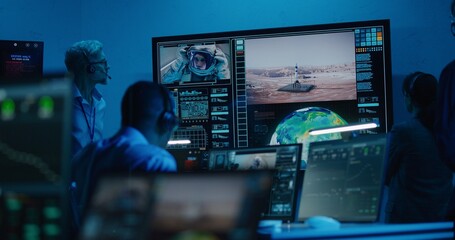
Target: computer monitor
{"x":176,"y":206}
{"x":283,"y":159}
{"x":259,"y":87}
{"x":35,"y":124}
{"x":21,"y":61}
{"x":344,"y":179}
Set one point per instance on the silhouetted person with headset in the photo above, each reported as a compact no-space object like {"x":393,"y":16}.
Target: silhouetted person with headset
{"x":148,"y":122}
{"x":445,"y":117}
{"x":419,"y":182}
{"x":87,"y":65}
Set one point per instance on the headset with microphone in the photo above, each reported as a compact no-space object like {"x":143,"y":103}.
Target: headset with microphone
{"x":417,"y":76}
{"x":167,"y":119}
{"x":421,"y":89}
{"x":92,"y":69}
{"x":91,"y":66}
{"x":105,"y":73}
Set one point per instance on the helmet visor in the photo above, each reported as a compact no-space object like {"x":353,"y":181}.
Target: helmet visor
{"x":200,"y":60}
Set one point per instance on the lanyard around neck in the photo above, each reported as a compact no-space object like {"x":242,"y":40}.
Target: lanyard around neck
{"x":92,"y":127}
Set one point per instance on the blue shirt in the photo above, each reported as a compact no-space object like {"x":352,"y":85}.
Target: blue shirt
{"x":87,"y":120}
{"x":127,"y":151}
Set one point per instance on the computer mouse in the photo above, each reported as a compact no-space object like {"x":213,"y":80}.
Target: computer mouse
{"x":322,"y":222}
{"x":270,"y":223}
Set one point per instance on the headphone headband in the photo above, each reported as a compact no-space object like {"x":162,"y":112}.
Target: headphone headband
{"x":410,"y":89}
{"x":414,"y":79}
{"x":90,"y":68}
{"x":167,"y":117}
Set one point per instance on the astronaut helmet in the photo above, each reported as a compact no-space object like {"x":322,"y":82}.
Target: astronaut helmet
{"x":201,"y":59}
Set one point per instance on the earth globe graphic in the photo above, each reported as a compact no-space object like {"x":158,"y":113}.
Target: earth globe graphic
{"x":295,"y":127}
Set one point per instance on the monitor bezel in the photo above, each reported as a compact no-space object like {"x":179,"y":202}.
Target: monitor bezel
{"x":358,"y":140}
{"x":385,"y":23}
{"x":298,"y":177}
{"x":38,"y":75}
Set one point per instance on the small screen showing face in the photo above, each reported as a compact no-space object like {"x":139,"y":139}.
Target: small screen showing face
{"x":255,"y":161}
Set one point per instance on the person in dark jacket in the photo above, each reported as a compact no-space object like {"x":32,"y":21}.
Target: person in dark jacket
{"x":419,"y":182}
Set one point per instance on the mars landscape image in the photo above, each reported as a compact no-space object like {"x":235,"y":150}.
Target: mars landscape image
{"x":328,"y":83}
{"x":309,"y":68}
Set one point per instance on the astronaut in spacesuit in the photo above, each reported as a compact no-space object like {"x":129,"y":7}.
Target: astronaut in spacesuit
{"x":196,"y":64}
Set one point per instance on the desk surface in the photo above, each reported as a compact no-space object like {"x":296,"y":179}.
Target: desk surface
{"x":440,"y":230}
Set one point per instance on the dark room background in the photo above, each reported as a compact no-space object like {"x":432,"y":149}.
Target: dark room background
{"x":420,"y":31}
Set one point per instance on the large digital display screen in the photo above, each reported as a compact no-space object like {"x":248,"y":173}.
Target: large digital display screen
{"x":263,"y":87}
